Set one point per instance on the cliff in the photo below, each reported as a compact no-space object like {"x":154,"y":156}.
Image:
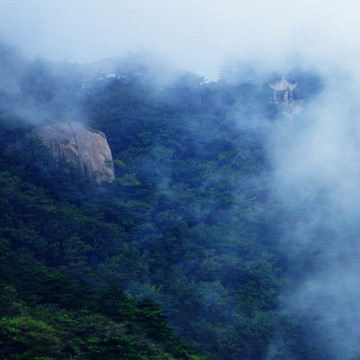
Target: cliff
{"x":82,"y":147}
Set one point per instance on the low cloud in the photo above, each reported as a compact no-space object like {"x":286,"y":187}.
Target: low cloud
{"x":195,"y":35}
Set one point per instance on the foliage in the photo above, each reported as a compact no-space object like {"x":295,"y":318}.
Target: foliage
{"x":184,"y":225}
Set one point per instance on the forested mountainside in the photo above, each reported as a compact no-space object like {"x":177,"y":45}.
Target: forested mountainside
{"x":187,"y":227}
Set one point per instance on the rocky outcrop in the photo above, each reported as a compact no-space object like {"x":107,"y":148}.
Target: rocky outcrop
{"x":82,"y":147}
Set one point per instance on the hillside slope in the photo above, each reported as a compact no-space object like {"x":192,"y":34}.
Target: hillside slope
{"x":187,"y":222}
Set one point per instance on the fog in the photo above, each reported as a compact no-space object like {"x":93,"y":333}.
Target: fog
{"x":315,"y":155}
{"x":316,"y":179}
{"x":195,"y":35}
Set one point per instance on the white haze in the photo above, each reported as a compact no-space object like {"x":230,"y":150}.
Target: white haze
{"x":316,"y":155}
{"x":196,"y":35}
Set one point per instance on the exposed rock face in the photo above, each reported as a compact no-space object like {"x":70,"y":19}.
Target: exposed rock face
{"x":81,"y":147}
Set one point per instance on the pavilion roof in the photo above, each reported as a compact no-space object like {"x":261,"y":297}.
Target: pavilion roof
{"x":283,"y":85}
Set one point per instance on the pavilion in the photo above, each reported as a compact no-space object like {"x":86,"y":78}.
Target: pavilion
{"x":285,"y":88}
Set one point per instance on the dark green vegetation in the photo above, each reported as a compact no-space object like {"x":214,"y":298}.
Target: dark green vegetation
{"x":186,"y":224}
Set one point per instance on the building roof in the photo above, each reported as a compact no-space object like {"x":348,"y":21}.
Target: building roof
{"x":283,"y":85}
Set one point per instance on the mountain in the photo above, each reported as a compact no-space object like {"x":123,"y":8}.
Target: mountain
{"x":187,"y":225}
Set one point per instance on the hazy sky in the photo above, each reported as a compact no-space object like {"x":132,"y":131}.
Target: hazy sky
{"x":195,"y":34}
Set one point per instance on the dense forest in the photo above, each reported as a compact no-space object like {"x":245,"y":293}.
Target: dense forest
{"x":178,"y":257}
